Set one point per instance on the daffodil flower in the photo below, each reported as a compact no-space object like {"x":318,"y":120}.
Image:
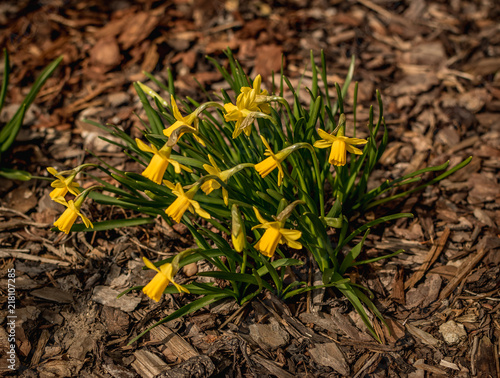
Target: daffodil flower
{"x":249,"y":106}
{"x":183,"y":121}
{"x":159,"y":162}
{"x":68,"y":218}
{"x":212,"y":184}
{"x":165,"y":275}
{"x":273,"y":161}
{"x":185,"y":202}
{"x":261,"y":96}
{"x":275,"y":234}
{"x":63,"y":185}
{"x":340,"y":145}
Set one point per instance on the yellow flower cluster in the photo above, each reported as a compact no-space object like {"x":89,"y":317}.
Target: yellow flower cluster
{"x":252,"y":103}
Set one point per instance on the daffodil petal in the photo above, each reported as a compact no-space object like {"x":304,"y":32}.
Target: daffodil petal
{"x":323,"y":134}
{"x":356,"y":141}
{"x":143,"y":146}
{"x":353,"y":150}
{"x":149,"y":264}
{"x":259,"y":217}
{"x":322,"y":144}
{"x":290,"y":234}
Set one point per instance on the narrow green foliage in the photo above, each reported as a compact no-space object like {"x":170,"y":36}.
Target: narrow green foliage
{"x":255,"y":179}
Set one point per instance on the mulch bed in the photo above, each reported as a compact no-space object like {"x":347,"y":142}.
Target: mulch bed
{"x":436,"y":65}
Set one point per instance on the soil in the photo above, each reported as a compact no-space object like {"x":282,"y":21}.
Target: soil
{"x":436,"y":65}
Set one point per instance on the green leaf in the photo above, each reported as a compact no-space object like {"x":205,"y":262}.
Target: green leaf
{"x":274,"y":274}
{"x":110,"y":224}
{"x":10,"y":130}
{"x":352,"y":254}
{"x":15,"y":174}
{"x":5,"y":81}
{"x":372,"y":224}
{"x":352,"y":296}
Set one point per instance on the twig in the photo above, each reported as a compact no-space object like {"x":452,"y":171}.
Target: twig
{"x":6,"y":209}
{"x":431,"y":257}
{"x":23,"y":256}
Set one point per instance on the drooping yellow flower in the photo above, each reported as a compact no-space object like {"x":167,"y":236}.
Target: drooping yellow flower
{"x":165,"y":275}
{"x":340,"y":145}
{"x":68,"y":218}
{"x":185,"y":202}
{"x":182,"y":121}
{"x":63,"y":185}
{"x":273,"y":161}
{"x":211,"y":185}
{"x":250,"y":104}
{"x":159,"y":162}
{"x":275,"y":234}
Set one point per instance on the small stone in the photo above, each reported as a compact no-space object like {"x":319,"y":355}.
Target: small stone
{"x":190,"y":269}
{"x":117,"y":99}
{"x":452,"y":332}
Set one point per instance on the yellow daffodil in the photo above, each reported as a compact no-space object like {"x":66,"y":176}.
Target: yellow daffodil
{"x":63,"y":185}
{"x":249,"y":106}
{"x":273,"y":161}
{"x":185,"y":202}
{"x":159,"y":162}
{"x":261,"y":96}
{"x":340,"y":146}
{"x":68,"y":218}
{"x":165,"y":275}
{"x":275,"y":234}
{"x":182,"y":121}
{"x":238,"y":234}
{"x":210,"y":185}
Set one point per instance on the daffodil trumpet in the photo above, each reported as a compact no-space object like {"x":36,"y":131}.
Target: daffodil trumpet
{"x":339,"y":144}
{"x":72,"y":212}
{"x":274,"y":160}
{"x":165,"y":275}
{"x":276,"y":234}
{"x":185,"y":202}
{"x":159,"y":162}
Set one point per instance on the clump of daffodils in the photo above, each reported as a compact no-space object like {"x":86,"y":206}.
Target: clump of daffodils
{"x":260,"y":183}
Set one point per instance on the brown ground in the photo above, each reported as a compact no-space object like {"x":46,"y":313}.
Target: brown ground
{"x":437,"y":67}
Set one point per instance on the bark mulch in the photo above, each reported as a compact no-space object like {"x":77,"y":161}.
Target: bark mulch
{"x":436,"y":65}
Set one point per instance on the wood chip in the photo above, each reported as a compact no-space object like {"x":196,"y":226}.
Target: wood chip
{"x":176,"y":344}
{"x":419,"y":364}
{"x":423,"y":336}
{"x":272,"y":367}
{"x":463,"y":271}
{"x":431,"y":257}
{"x":53,"y":294}
{"x":147,"y":364}
{"x":330,"y":355}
